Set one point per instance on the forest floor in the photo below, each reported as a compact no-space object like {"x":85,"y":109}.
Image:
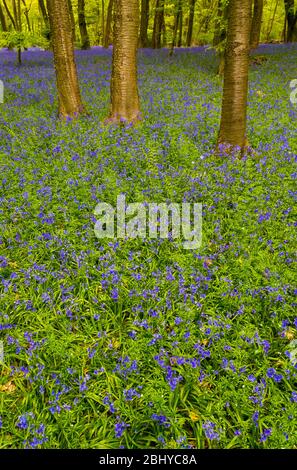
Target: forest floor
{"x":141,"y":343}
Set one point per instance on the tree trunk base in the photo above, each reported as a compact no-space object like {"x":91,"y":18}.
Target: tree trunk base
{"x":118,"y":119}
{"x":230,"y":150}
{"x":64,"y":116}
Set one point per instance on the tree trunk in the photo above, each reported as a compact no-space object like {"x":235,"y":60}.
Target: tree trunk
{"x":256,"y":23}
{"x":107,"y":36}
{"x":103,"y":21}
{"x":85,"y":41}
{"x":43,"y":12}
{"x":191,"y":22}
{"x":220,"y":34}
{"x":70,"y":7}
{"x":144,"y":21}
{"x":3,"y":20}
{"x":17,"y":13}
{"x":26,"y":13}
{"x":125,"y":105}
{"x":70,"y":104}
{"x":291,"y":20}
{"x":9,"y":15}
{"x":220,"y":31}
{"x":180,"y":26}
{"x":164,"y":31}
{"x":234,"y":106}
{"x":175,"y":29}
{"x":158,"y":24}
{"x":269,"y":27}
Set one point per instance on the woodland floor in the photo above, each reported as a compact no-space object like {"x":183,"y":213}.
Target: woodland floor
{"x":141,"y":343}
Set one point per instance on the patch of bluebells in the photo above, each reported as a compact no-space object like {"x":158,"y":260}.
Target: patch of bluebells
{"x":211,"y":431}
{"x":120,"y":428}
{"x":162,"y":420}
{"x":107,"y":401}
{"x":146,"y":312}
{"x":131,"y":393}
{"x":265,"y":435}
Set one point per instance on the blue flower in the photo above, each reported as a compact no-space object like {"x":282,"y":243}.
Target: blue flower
{"x":120,"y":428}
{"x":22,"y":422}
{"x":265,"y":434}
{"x":161,"y":419}
{"x":210,"y":431}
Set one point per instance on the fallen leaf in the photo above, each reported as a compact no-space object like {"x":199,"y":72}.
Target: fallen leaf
{"x":8,"y":388}
{"x":193,"y":416}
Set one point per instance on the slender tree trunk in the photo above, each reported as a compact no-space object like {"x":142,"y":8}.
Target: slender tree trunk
{"x":234,"y":107}
{"x":17,"y":13}
{"x":85,"y":40}
{"x":44,"y":14}
{"x":26,"y":13}
{"x":269,"y":28}
{"x":291,"y":19}
{"x":158,"y":24}
{"x":191,"y":23}
{"x":107,"y":36}
{"x":3,"y":19}
{"x":144,"y":21}
{"x":284,"y":33}
{"x":218,"y":24}
{"x":9,"y":15}
{"x":125,"y":105}
{"x":256,"y":23}
{"x":70,"y":104}
{"x":163,"y":31}
{"x":220,"y":34}
{"x":70,"y":7}
{"x":97,"y":25}
{"x":103,"y":21}
{"x":43,"y":11}
{"x":180,"y":26}
{"x":175,"y":30}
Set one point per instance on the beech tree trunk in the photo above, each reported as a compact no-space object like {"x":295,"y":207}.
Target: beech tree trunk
{"x":256,"y":23}
{"x":158,"y":24}
{"x":70,"y":104}
{"x":85,"y":40}
{"x":144,"y":21}
{"x":125,"y":107}
{"x":234,"y":106}
{"x":107,"y":35}
{"x":291,"y":20}
{"x":191,"y":22}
